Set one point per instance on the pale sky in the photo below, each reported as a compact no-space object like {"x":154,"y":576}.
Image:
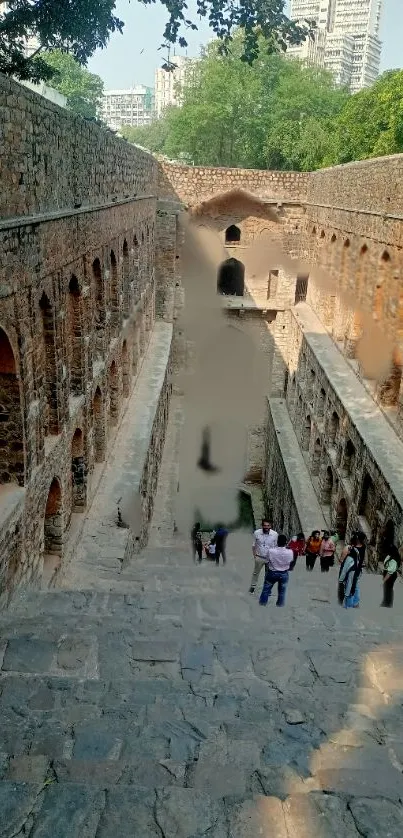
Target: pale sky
{"x":131,"y":58}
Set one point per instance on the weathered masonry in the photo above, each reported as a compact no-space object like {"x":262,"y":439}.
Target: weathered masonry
{"x":90,"y":245}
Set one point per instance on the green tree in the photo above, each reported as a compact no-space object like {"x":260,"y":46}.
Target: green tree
{"x":81,"y":26}
{"x":75,"y":26}
{"x":83,"y":89}
{"x":272,"y":114}
{"x":371,"y":122}
{"x":152,"y":137}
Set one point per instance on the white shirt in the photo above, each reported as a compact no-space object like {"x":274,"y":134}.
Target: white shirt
{"x":263,"y":542}
{"x":280,"y":558}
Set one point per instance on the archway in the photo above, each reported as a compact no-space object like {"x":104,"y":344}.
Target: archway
{"x":327,"y":487}
{"x":232,"y":234}
{"x":76,"y":336}
{"x":53,"y":525}
{"x":98,"y":427}
{"x":301,"y":288}
{"x":321,"y":402}
{"x":114,"y":393}
{"x":341,"y":518}
{"x":12,"y":460}
{"x":78,"y":472}
{"x":51,"y":417}
{"x":348,"y":458}
{"x":334,"y":424}
{"x":367,"y":498}
{"x":316,"y":458}
{"x":125,"y":370}
{"x":231,"y":278}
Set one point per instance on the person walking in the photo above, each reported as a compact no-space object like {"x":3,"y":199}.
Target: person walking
{"x":312,"y":549}
{"x":391,"y":566}
{"x":349,"y":575}
{"x":326,"y":552}
{"x":220,"y":544}
{"x":264,"y":539}
{"x":277,"y":567}
{"x":297,"y":544}
{"x":358,"y":541}
{"x":197,"y":542}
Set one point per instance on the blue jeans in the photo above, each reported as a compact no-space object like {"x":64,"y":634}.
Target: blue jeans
{"x":353,"y":600}
{"x":270,"y":579}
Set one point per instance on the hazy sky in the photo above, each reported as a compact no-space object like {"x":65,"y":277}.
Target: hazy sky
{"x":131,"y":58}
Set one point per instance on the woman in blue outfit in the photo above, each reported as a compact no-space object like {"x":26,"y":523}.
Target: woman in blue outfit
{"x":350,"y":572}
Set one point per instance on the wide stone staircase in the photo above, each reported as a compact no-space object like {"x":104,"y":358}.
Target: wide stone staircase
{"x":166,"y":702}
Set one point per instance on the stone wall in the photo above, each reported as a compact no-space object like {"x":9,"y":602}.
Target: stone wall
{"x":193,"y":184}
{"x":77,"y":308}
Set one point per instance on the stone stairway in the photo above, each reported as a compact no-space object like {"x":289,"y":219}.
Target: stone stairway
{"x":165,"y":702}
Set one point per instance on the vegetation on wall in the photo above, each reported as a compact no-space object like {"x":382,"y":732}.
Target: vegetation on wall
{"x":275,"y":114}
{"x":83,"y":89}
{"x":79,"y":27}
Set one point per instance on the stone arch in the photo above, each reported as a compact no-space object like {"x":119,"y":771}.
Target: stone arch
{"x":232,"y":234}
{"x":313,"y":231}
{"x":316,"y":456}
{"x":126,"y":279}
{"x":327,"y":487}
{"x":99,"y":298}
{"x":51,"y":413}
{"x":78,"y":472}
{"x":301,"y":288}
{"x":306,"y":433}
{"x":53,"y":520}
{"x":349,"y":458}
{"x":367,"y":498}
{"x":12,"y":450}
{"x":75,"y":306}
{"x":98,"y":426}
{"x":231,"y":278}
{"x":115,"y":291}
{"x":322,"y":234}
{"x":125,"y":370}
{"x":341,"y":518}
{"x":321,"y":401}
{"x":334,"y":425}
{"x":114,"y":393}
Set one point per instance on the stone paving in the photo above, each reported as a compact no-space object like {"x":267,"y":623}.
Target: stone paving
{"x":174,"y":706}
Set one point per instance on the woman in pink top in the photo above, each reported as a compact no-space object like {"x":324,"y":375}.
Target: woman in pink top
{"x":326,"y":553}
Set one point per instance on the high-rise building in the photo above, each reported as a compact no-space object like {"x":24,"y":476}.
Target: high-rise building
{"x":169,"y":83}
{"x":128,"y":107}
{"x":346,"y":39}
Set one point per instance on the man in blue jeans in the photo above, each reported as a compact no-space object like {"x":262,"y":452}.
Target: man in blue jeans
{"x":277,"y":568}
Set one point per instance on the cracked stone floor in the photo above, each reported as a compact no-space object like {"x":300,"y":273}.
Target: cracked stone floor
{"x":163,"y":702}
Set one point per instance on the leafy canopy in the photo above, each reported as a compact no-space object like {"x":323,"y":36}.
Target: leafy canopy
{"x":83,"y":89}
{"x":81,"y":26}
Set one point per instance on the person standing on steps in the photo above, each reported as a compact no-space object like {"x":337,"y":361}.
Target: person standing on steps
{"x":220,"y":544}
{"x":349,"y":575}
{"x":277,"y":567}
{"x":391,"y":567}
{"x":297,"y":545}
{"x":264,"y":539}
{"x":326,"y":552}
{"x":197,"y":542}
{"x":312,"y":549}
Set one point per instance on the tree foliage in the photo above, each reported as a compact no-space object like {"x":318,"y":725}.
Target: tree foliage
{"x":83,"y":89}
{"x":75,"y":26}
{"x":81,"y":26}
{"x":272,"y":114}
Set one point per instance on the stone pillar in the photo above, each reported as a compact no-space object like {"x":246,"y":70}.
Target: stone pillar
{"x":281,"y":338}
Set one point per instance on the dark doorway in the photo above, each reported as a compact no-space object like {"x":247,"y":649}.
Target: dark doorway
{"x":301,"y":289}
{"x":231,"y":278}
{"x":232,"y":235}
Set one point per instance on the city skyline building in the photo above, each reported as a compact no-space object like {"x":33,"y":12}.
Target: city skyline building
{"x":133,"y":106}
{"x":346,"y":40}
{"x":169,"y":83}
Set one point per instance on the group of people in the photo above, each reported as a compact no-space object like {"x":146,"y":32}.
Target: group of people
{"x":213,"y":548}
{"x":278,"y":556}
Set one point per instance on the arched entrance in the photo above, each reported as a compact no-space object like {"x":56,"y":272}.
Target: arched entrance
{"x":76,"y":336}
{"x":231,"y":278}
{"x":53,"y":532}
{"x":99,"y":307}
{"x":51,"y":418}
{"x":114,"y":291}
{"x":78,"y":472}
{"x":11,"y":428}
{"x":327,"y":487}
{"x":114,"y":393}
{"x":232,"y":234}
{"x":306,"y":434}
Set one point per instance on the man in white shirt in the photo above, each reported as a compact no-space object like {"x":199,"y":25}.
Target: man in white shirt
{"x":264,"y":539}
{"x":277,"y":567}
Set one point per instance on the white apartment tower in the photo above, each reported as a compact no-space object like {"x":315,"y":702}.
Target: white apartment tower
{"x":346,"y":40}
{"x":133,"y":107}
{"x":169,"y":84}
